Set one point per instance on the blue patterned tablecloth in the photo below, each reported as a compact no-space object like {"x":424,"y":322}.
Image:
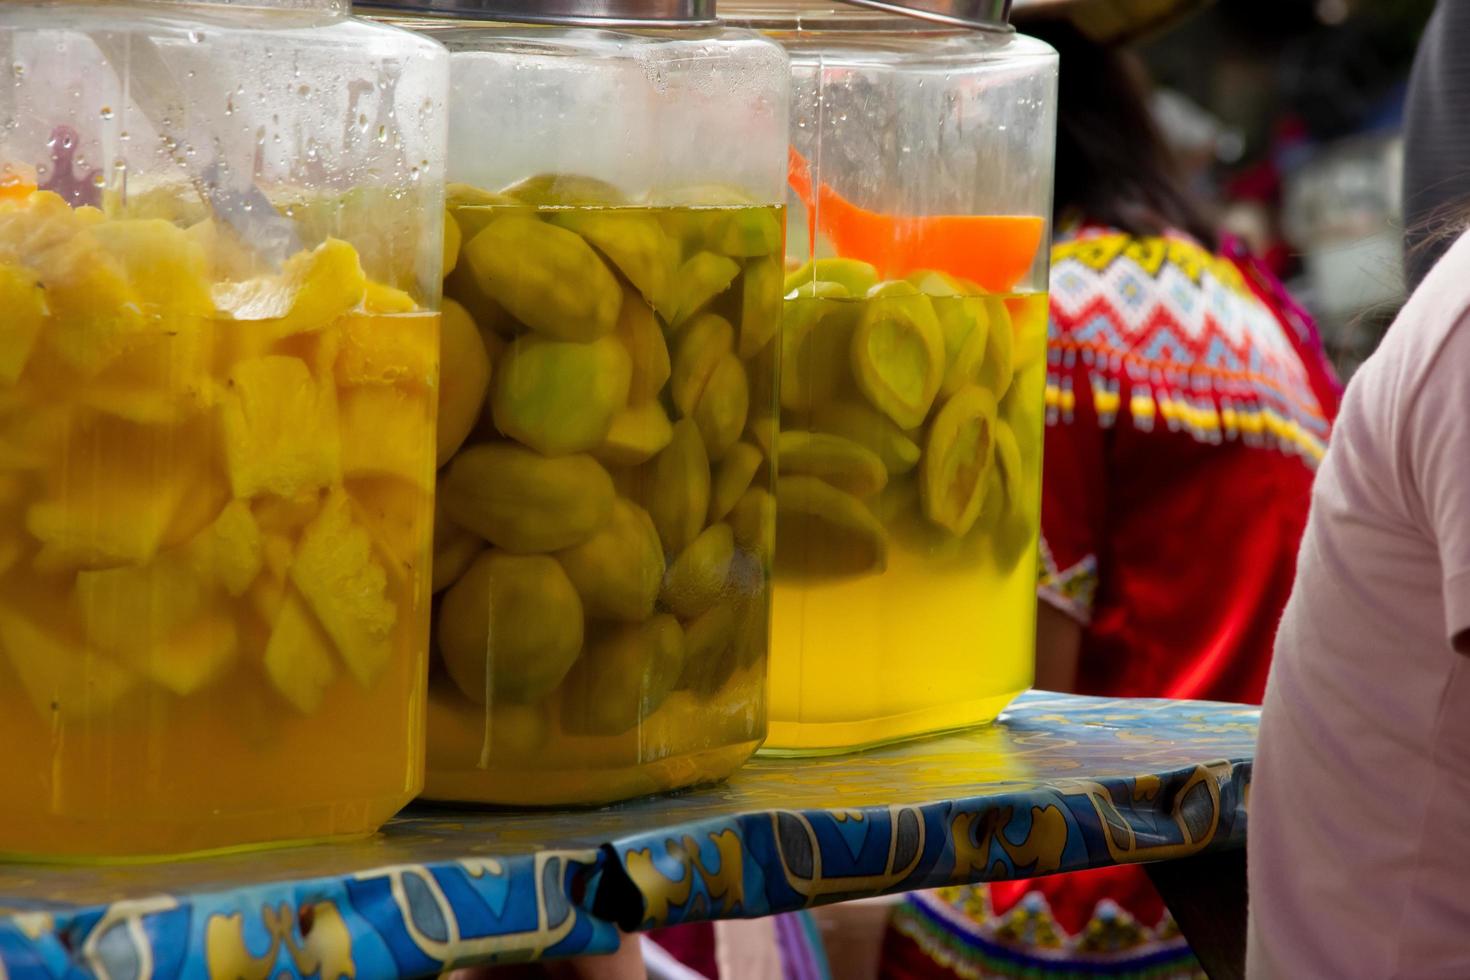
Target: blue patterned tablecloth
{"x":1061,"y":783}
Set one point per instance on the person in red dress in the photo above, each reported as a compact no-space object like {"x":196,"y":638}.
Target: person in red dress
{"x":1188,"y":404}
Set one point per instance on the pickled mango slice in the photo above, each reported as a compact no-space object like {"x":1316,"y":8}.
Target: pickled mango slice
{"x":677,"y":495}
{"x":760,"y":306}
{"x":700,"y":279}
{"x":697,"y":578}
{"x":839,"y":462}
{"x":733,"y":478}
{"x":298,"y":655}
{"x":453,"y":239}
{"x":826,"y":532}
{"x":464,"y":377}
{"x":563,"y":190}
{"x":335,"y":571}
{"x":635,"y":436}
{"x":384,"y":432}
{"x":473,"y":208}
{"x":618,"y":570}
{"x":998,"y":368}
{"x":871,"y":430}
{"x":958,"y":455}
{"x":313,"y":289}
{"x":898,"y":356}
{"x":639,"y":332}
{"x":816,"y":344}
{"x":548,"y":278}
{"x":510,"y":628}
{"x":525,"y":502}
{"x":560,"y":397}
{"x":965,"y":322}
{"x":387,"y":350}
{"x":708,"y":650}
{"x":230,"y":551}
{"x":1010,"y":516}
{"x":24,"y":303}
{"x":855,"y":276}
{"x":280,"y":428}
{"x":722,"y":406}
{"x":454,"y":550}
{"x":635,"y":243}
{"x":745,"y":233}
{"x":624,"y":676}
{"x":65,"y":681}
{"x":705,"y":342}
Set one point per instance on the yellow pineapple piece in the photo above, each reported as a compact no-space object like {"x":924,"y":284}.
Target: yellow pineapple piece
{"x":106,"y":516}
{"x":63,"y":679}
{"x":387,"y":431}
{"x":313,"y":288}
{"x":203,"y":499}
{"x":388,"y":350}
{"x":399,"y":517}
{"x":24,"y":304}
{"x":31,"y":228}
{"x":285,"y":516}
{"x":280,"y":428}
{"x":226,"y":256}
{"x":165,"y":380}
{"x":378,"y":298}
{"x":31,"y":436}
{"x":190,"y":657}
{"x":298,"y":656}
{"x":130,"y":609}
{"x":230,"y":551}
{"x":345,"y":586}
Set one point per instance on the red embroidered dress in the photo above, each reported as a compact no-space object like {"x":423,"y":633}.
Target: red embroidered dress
{"x":1188,"y":403}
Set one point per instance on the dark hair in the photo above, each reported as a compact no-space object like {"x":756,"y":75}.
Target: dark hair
{"x":1113,"y":166}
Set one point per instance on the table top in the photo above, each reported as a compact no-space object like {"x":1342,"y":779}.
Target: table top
{"x":1060,"y":783}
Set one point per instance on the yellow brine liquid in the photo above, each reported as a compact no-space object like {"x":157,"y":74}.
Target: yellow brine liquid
{"x":910,"y":467}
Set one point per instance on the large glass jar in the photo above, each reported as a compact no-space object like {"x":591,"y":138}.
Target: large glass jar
{"x":602,"y":554}
{"x":913,"y":374}
{"x":220,"y":250}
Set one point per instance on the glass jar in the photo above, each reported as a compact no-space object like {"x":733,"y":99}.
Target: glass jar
{"x":601,"y":567}
{"x":220,"y":249}
{"x":913,"y":371}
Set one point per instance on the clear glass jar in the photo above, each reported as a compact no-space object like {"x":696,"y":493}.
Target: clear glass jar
{"x":220,"y":249}
{"x":606,"y":520}
{"x":913,"y":373}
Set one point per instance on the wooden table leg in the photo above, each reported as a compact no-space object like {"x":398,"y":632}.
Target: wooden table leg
{"x":1207,"y":895}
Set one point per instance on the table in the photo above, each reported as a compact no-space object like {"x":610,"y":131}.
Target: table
{"x":1061,"y":783}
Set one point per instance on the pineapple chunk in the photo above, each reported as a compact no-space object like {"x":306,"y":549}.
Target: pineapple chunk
{"x":32,"y":228}
{"x":24,"y":303}
{"x":388,"y":350}
{"x":61,"y":677}
{"x":345,"y":586}
{"x":230,"y":551}
{"x":129,"y":610}
{"x":387,"y":431}
{"x":280,"y":428}
{"x":191,"y":657}
{"x":163,"y":381}
{"x":378,"y":298}
{"x":399,"y":516}
{"x":29,"y":438}
{"x":313,"y":289}
{"x":298,"y":656}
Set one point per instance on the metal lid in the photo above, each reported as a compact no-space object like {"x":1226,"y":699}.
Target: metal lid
{"x":991,"y":14}
{"x":570,"y":13}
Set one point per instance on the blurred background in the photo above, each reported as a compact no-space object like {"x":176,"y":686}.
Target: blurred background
{"x":1289,"y":115}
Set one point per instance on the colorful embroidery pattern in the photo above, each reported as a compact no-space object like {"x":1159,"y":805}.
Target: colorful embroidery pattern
{"x":1164,"y":333}
{"x":1070,"y":590}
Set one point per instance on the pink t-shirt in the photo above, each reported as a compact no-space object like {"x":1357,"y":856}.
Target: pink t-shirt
{"x":1359,"y":845}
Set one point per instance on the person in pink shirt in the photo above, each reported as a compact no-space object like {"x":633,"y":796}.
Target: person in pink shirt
{"x":1359,"y":843}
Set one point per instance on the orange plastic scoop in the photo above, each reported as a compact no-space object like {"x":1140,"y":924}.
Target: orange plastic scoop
{"x":995,"y":251}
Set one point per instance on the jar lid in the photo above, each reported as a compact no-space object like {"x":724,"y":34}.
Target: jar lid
{"x":990,"y":14}
{"x":569,"y":13}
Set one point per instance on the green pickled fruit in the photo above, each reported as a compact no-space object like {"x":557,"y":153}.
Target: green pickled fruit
{"x":454,"y":549}
{"x":464,"y":376}
{"x":492,"y":318}
{"x":825,"y":532}
{"x":453,"y":238}
{"x":744,"y":233}
{"x":639,"y":332}
{"x":760,"y":306}
{"x":705,"y":342}
{"x":548,"y":278}
{"x":898,"y":354}
{"x":853,"y":275}
{"x":708,"y":650}
{"x":998,"y":368}
{"x":1007,"y":512}
{"x":763,"y":431}
{"x":563,"y":190}
{"x":525,"y":502}
{"x":816,"y":344}
{"x":965,"y":322}
{"x":721,"y":410}
{"x":677,"y":491}
{"x":839,"y":462}
{"x":474,"y":207}
{"x":560,"y":397}
{"x":623,"y":677}
{"x":700,"y":279}
{"x":958,"y":455}
{"x":633,"y":242}
{"x":870,"y":429}
{"x":510,"y":628}
{"x":753,"y":521}
{"x":698,"y":577}
{"x":518,"y":730}
{"x":637,"y":434}
{"x":732,"y":478}
{"x":618,"y":570}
